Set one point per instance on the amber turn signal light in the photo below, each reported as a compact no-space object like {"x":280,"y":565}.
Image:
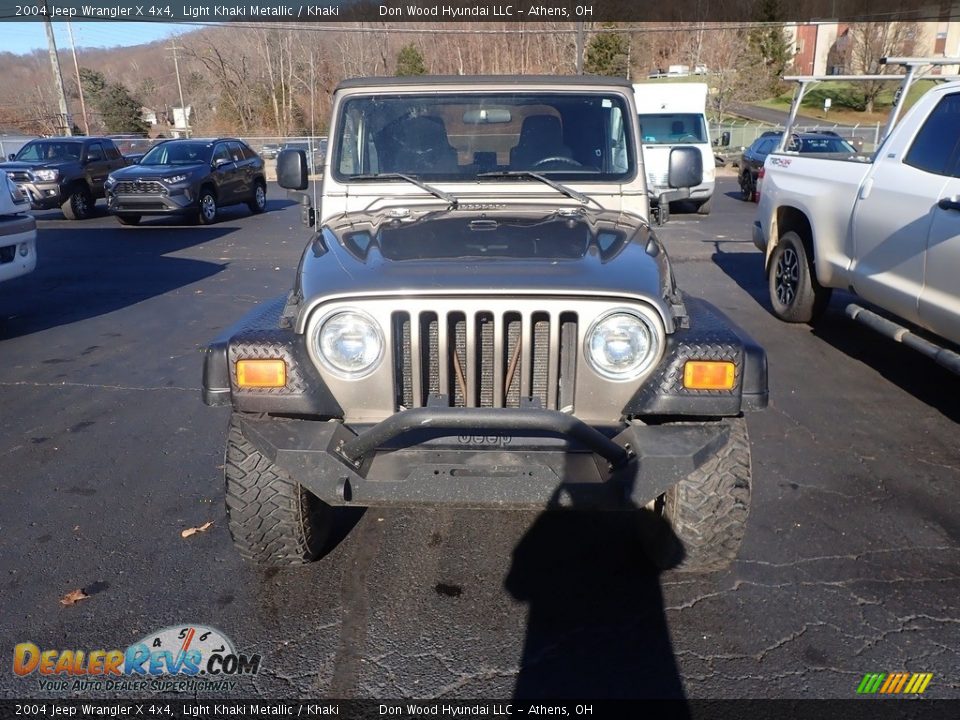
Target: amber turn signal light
{"x":708,"y":375}
{"x":261,"y":373}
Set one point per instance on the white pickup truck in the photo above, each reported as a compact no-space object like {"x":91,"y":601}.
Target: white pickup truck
{"x":886,"y":228}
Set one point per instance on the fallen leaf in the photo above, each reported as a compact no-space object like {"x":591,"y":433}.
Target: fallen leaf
{"x":73,"y":597}
{"x":194,"y":530}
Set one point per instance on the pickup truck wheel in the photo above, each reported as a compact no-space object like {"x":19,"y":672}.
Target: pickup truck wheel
{"x":704,"y":207}
{"x":272,"y":520}
{"x":129,"y":219}
{"x":795,"y":294}
{"x":708,"y":510}
{"x":78,"y":204}
{"x":258,"y":203}
{"x":207,"y":207}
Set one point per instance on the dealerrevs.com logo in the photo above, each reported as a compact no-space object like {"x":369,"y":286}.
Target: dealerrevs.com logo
{"x":178,"y":658}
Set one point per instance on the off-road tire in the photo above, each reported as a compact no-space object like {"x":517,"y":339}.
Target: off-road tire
{"x":128,"y":219}
{"x":708,"y":509}
{"x":204,"y":200}
{"x":795,"y":294}
{"x":78,"y":204}
{"x":705,"y":207}
{"x":258,"y":203}
{"x":272,"y":519}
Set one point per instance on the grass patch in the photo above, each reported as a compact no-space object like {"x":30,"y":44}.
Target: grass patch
{"x":847,"y":104}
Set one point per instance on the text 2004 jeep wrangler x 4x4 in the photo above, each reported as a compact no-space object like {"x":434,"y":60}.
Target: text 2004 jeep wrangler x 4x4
{"x":485,"y":319}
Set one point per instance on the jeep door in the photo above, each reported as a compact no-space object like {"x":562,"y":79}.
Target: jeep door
{"x":96,"y":167}
{"x":940,"y":296}
{"x":226,"y":175}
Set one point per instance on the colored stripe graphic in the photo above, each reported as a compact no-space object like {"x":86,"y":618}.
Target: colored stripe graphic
{"x":894,"y":684}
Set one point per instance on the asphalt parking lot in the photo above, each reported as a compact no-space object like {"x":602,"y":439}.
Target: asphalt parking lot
{"x":851,"y":564}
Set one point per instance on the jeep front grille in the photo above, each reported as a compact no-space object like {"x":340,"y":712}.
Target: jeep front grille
{"x":146,"y":187}
{"x":485,"y":359}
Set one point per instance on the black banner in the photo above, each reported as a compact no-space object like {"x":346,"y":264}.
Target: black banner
{"x":394,"y":11}
{"x":213,"y":709}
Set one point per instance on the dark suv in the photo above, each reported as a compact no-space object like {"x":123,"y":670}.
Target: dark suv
{"x":824,"y":142}
{"x":188,"y":177}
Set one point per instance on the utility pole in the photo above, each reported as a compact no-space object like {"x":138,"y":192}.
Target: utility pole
{"x":579,"y":47}
{"x":76,"y":67}
{"x":63,"y":120}
{"x":176,"y":67}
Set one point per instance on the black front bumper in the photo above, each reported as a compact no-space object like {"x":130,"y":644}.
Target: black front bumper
{"x":479,"y":457}
{"x":151,"y":204}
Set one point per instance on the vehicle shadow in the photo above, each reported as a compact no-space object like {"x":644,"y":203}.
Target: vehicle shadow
{"x":909,"y":370}
{"x":85,"y":271}
{"x":746,"y":270}
{"x":596,"y":626}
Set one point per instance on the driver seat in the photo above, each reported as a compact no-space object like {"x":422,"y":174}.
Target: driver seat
{"x":541,"y":137}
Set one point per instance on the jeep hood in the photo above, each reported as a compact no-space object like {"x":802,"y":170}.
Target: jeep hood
{"x":570,"y":251}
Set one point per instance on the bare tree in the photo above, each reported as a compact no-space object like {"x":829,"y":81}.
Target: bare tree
{"x":869,"y":42}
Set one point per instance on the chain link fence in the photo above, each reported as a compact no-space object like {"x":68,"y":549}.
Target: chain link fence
{"x":742,"y":134}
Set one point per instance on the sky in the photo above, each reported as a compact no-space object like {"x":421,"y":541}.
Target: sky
{"x":24,"y":37}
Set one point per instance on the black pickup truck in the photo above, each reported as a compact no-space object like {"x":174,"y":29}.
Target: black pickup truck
{"x":65,"y":172}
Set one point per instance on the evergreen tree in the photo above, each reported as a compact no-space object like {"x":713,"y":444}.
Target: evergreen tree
{"x":410,"y":62}
{"x":607,"y":54}
{"x":769,"y":47}
{"x":118,"y":110}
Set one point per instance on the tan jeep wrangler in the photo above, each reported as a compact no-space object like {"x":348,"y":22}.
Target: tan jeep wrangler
{"x":484,"y":318}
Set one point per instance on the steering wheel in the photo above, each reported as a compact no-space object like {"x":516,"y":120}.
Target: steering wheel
{"x":558,"y":159}
{"x":690,"y":138}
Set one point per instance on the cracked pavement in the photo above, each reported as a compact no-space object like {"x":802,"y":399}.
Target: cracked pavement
{"x":851,"y":562}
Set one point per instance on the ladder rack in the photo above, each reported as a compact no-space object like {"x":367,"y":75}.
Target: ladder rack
{"x":906,"y":79}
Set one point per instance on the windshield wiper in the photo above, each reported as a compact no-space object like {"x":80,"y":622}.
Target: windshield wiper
{"x":569,"y":192}
{"x":436,"y":192}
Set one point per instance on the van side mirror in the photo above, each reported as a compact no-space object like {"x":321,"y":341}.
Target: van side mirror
{"x":685,"y":169}
{"x":292,"y":170}
{"x":725,"y":138}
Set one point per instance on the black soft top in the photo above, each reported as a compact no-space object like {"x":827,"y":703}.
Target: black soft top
{"x":426,"y":80}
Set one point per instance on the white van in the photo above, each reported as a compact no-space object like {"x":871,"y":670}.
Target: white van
{"x":673,"y":114}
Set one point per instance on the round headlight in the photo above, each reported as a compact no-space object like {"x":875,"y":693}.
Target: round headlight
{"x":350,"y":344}
{"x":622,"y":345}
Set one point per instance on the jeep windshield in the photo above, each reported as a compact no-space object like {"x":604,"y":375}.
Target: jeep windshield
{"x":179,"y":153}
{"x":47,"y":150}
{"x":581,"y":136}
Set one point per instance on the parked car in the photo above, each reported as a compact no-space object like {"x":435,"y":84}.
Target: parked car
{"x":825,"y":142}
{"x":485,"y":318}
{"x":64,"y":172}
{"x":315,"y":156}
{"x":269,"y":151}
{"x":132,"y":147}
{"x":887,"y":230}
{"x":189,"y":177}
{"x":18,"y":232}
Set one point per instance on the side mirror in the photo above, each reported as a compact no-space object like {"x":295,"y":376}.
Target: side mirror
{"x":685,"y":167}
{"x":292,"y":170}
{"x":725,"y":138}
{"x":220,"y":162}
{"x":12,"y":156}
